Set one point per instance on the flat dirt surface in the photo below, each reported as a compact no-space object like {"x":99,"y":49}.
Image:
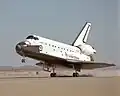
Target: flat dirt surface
{"x":60,"y":86}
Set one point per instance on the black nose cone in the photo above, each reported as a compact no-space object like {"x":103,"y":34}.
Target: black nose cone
{"x":19,"y":46}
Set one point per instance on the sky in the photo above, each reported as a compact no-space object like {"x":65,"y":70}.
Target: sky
{"x":59,"y":20}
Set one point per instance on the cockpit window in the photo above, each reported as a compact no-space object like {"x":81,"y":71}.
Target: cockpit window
{"x":32,"y":37}
{"x":36,"y":38}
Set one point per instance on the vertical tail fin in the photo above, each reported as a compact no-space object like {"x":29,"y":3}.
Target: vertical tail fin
{"x":83,"y":35}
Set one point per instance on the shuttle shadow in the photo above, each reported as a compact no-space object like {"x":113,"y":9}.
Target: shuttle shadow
{"x":44,"y":77}
{"x":84,"y":75}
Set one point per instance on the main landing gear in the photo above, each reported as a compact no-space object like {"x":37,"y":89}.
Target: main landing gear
{"x":76,"y":68}
{"x":46,"y":67}
{"x":53,"y":74}
{"x":75,"y":74}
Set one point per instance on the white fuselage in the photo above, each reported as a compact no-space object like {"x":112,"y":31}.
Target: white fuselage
{"x":58,"y":49}
{"x":52,"y":52}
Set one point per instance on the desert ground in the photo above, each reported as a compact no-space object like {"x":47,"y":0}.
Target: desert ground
{"x":69,"y":86}
{"x":28,"y":83}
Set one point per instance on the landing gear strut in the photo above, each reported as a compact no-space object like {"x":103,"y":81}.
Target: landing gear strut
{"x":53,"y":74}
{"x":46,"y":67}
{"x":23,"y":59}
{"x":76,"y":68}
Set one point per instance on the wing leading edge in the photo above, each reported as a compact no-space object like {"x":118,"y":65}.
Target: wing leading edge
{"x":90,"y":64}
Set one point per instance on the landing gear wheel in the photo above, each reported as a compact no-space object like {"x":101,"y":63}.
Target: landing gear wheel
{"x":53,"y":75}
{"x":23,"y":60}
{"x":37,"y":73}
{"x":75,"y":75}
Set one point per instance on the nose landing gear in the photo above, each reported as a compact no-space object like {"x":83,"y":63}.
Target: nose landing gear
{"x":23,"y":60}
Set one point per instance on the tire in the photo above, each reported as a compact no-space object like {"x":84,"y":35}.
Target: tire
{"x":75,"y":75}
{"x":53,"y":75}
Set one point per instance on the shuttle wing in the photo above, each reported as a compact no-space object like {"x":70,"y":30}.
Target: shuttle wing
{"x":90,"y":64}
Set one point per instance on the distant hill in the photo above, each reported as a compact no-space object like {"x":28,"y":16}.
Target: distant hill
{"x":6,"y":68}
{"x":25,"y":67}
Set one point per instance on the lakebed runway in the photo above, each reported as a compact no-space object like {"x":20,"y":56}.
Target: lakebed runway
{"x":59,"y":86}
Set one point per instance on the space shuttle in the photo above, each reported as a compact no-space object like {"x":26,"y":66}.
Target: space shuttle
{"x":49,"y":53}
